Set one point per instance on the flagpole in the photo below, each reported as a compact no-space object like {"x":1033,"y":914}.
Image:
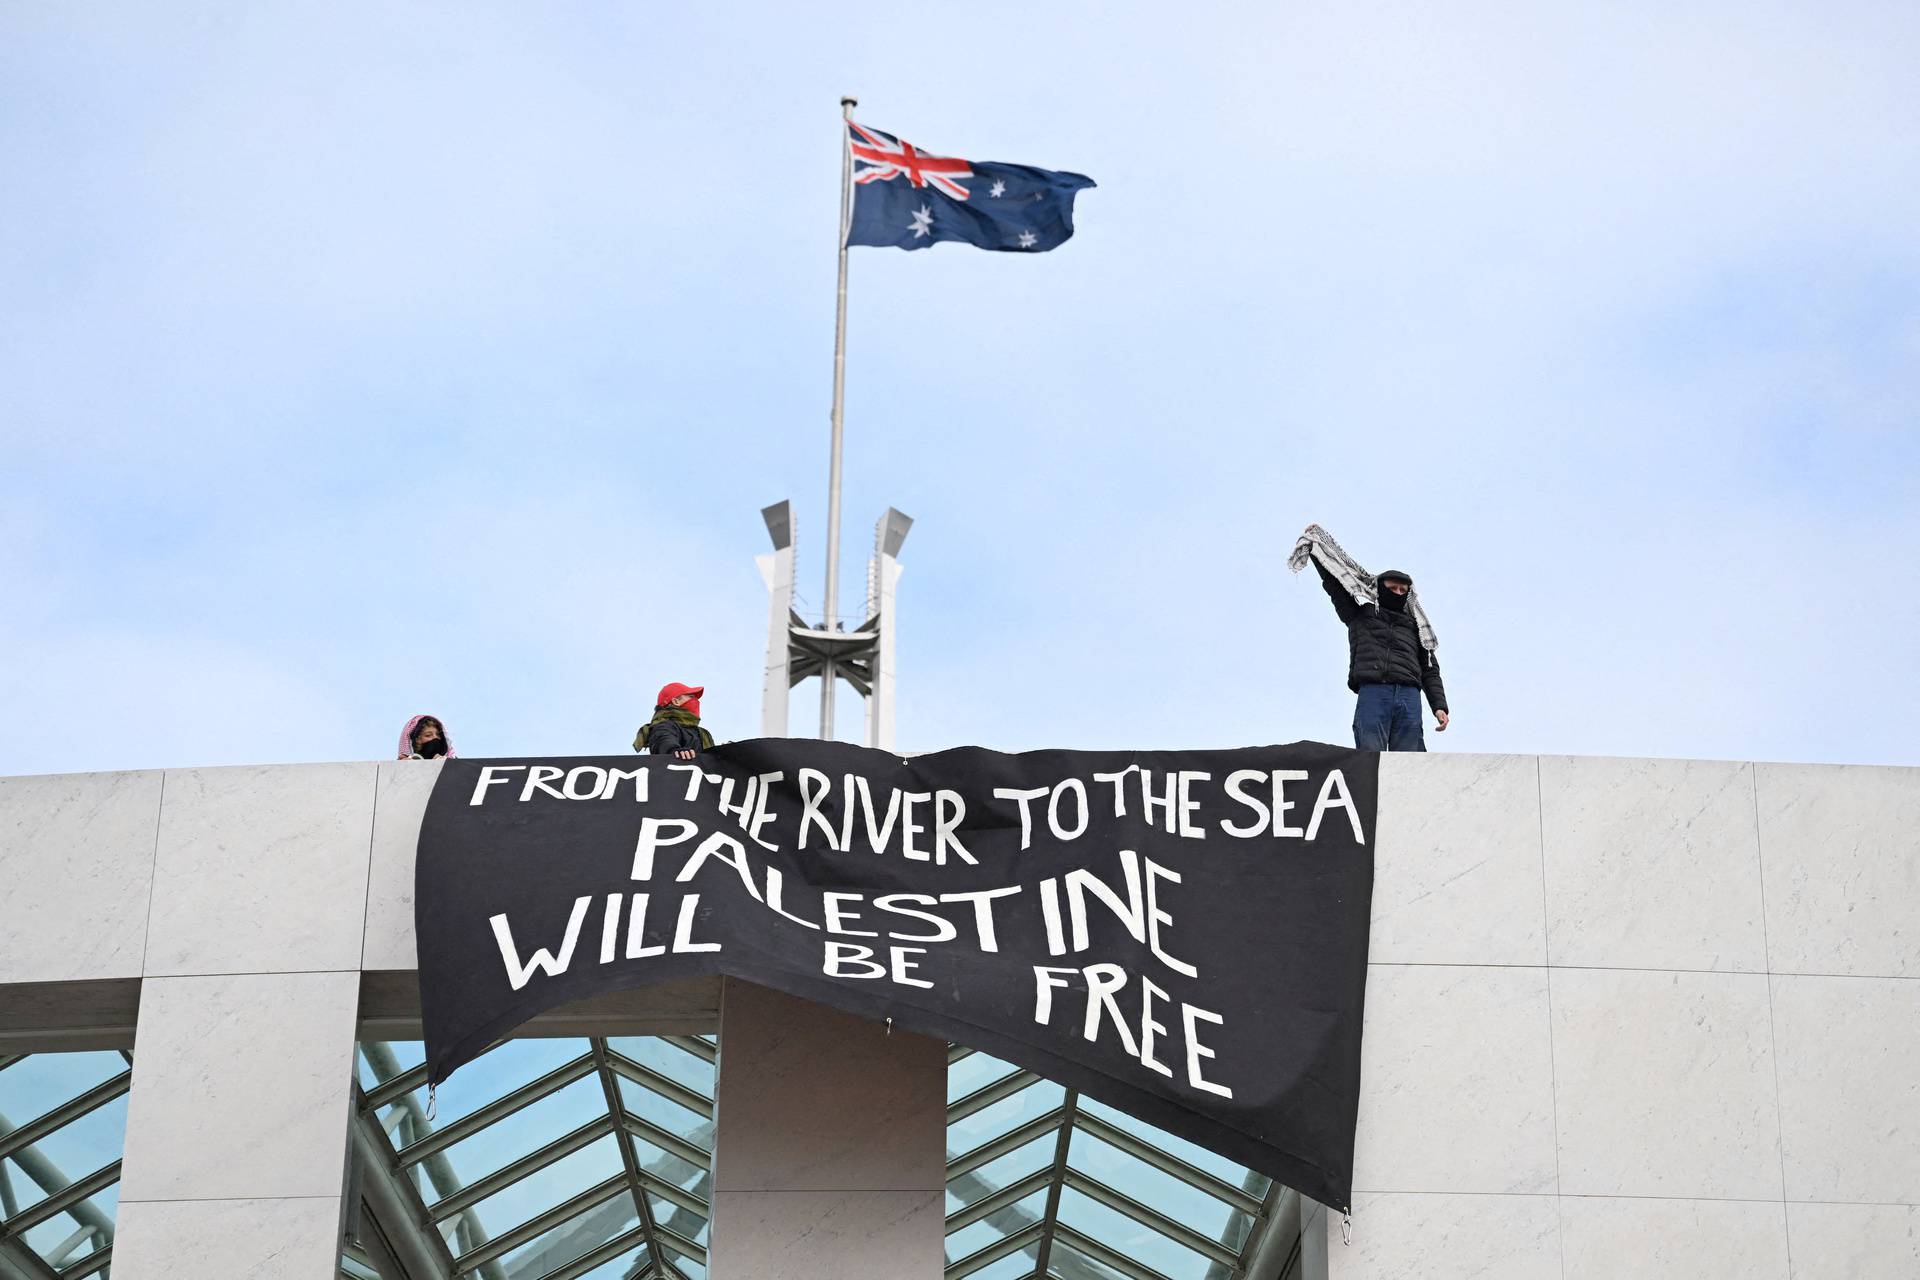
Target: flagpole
{"x":829,"y":678}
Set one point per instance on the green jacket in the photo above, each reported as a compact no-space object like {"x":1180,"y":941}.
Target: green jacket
{"x":671,"y":730}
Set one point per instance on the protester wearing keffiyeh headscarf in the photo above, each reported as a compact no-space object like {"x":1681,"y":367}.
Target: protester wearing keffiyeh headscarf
{"x":1390,"y":645}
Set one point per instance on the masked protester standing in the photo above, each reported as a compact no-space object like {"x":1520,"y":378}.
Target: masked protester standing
{"x":675,"y":728}
{"x":425,"y":738}
{"x":1390,"y":646}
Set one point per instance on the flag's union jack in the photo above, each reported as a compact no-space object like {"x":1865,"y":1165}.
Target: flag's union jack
{"x":904,"y":198}
{"x":886,"y":158}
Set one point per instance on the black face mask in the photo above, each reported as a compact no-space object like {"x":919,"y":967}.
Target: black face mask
{"x":431,"y":750}
{"x":1392,"y":601}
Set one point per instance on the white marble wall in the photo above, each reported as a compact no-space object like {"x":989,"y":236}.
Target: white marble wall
{"x":1625,"y":1017}
{"x":76,"y":875}
{"x":1640,"y":1018}
{"x":237,"y":898}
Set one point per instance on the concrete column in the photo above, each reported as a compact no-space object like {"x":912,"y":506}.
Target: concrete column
{"x":237,"y":1128}
{"x":237,"y":1123}
{"x":829,"y":1157}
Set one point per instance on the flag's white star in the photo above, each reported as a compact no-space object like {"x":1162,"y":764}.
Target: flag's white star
{"x":999,"y":188}
{"x":1028,"y":239}
{"x":922,"y":222}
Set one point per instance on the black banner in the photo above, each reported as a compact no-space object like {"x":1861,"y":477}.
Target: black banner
{"x":1179,"y":934}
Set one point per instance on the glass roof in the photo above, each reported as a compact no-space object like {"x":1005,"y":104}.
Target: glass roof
{"x":563,"y":1159}
{"x":63,"y":1126}
{"x":1042,"y":1181}
{"x":556,"y":1159}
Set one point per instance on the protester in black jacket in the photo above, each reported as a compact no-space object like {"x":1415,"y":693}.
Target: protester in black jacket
{"x":1387,"y":666}
{"x":675,"y":728}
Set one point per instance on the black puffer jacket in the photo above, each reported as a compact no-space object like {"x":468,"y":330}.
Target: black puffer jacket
{"x":1383,"y":647}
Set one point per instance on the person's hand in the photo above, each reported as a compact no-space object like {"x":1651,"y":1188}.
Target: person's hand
{"x":1440,"y":716}
{"x":683,"y":755}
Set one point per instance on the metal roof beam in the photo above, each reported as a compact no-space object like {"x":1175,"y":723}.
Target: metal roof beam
{"x":606,"y":1253}
{"x":508,"y":1241}
{"x":671,"y":1143}
{"x":992,"y":1253}
{"x":525,"y":1096}
{"x":1167,"y":1163}
{"x":1274,"y":1240}
{"x":64,"y":1114}
{"x":91,"y":1265}
{"x":398,"y":1087}
{"x":371,"y":1248}
{"x":681,"y":1245}
{"x":1101,"y":1254}
{"x":468,"y":1234}
{"x":72,"y":1199}
{"x":579,"y":1234}
{"x":629,"y":1160}
{"x":1057,"y":1179}
{"x":1153,"y":1219}
{"x":1007,"y":1143}
{"x":526,"y":1166}
{"x":672,"y":1090}
{"x":397,"y":1212}
{"x":675,"y":1195}
{"x":1005,"y":1198}
{"x":698,"y":1046}
{"x":986,"y":1095}
{"x":49,"y":1177}
{"x":17,"y":1262}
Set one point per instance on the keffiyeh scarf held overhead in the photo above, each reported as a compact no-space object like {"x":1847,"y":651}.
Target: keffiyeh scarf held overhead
{"x":1318,"y":544}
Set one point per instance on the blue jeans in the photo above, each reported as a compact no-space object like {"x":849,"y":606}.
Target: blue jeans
{"x":1387,"y":718}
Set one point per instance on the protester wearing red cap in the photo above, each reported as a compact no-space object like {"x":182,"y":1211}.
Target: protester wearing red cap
{"x":675,"y":728}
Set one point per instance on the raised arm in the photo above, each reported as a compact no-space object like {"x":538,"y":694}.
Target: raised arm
{"x":1343,"y":601}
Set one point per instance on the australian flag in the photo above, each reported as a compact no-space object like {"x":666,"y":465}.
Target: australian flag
{"x":905,"y":198}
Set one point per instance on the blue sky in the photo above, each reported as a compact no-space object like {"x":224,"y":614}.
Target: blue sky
{"x":359,"y":360}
